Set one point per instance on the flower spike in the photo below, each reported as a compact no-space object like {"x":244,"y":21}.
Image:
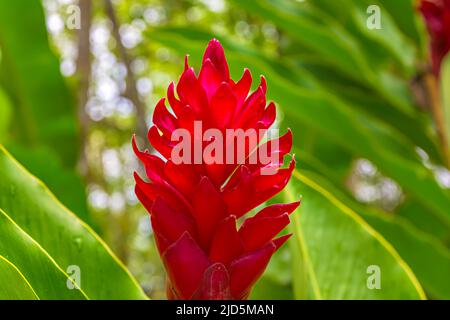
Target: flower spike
{"x":195,"y":196}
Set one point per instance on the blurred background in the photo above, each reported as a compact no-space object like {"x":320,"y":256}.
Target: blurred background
{"x":78,"y":78}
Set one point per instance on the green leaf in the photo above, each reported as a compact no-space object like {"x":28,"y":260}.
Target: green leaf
{"x":404,"y":13}
{"x":44,"y":111}
{"x":419,"y":250}
{"x":18,"y":287}
{"x":44,"y":119}
{"x":337,"y":247}
{"x":268,"y":289}
{"x":65,"y":183}
{"x":46,"y":278}
{"x":67,"y":239}
{"x":330,"y":41}
{"x":424,"y":220}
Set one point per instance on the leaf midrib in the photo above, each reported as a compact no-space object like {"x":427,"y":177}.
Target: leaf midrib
{"x":39,"y":247}
{"x":74,"y":216}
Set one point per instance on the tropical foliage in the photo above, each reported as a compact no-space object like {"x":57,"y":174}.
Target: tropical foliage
{"x":372,"y":152}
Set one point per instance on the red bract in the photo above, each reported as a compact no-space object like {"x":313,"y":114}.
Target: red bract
{"x":194,"y":207}
{"x":437,"y":17}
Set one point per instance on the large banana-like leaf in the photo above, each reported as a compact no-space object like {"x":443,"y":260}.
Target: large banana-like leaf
{"x":66,"y":239}
{"x":420,"y":251}
{"x":336,"y":253}
{"x":406,"y":18}
{"x":267,"y":289}
{"x":18,"y":287}
{"x":46,"y":278}
{"x":410,"y":213}
{"x":360,"y":44}
{"x":417,"y":215}
{"x":64,"y":182}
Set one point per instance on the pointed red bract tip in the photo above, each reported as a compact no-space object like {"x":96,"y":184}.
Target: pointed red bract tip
{"x":436,"y":14}
{"x":216,"y":54}
{"x":186,"y":62}
{"x":278,"y":242}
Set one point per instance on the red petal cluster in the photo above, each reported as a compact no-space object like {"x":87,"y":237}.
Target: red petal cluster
{"x":194,"y":207}
{"x":437,"y":17}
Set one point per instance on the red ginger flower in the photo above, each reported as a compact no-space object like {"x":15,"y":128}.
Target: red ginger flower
{"x":437,"y":17}
{"x":194,"y":207}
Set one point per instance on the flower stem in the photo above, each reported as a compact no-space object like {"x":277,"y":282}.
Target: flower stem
{"x":432,"y":85}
